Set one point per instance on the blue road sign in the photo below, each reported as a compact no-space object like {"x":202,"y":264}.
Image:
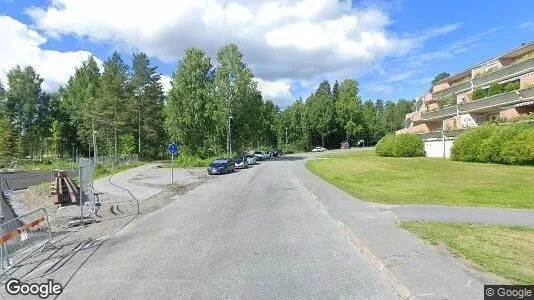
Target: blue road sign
{"x":173,"y":148}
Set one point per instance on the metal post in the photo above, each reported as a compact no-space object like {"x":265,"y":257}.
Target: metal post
{"x":230,"y":136}
{"x":5,"y":255}
{"x":94,"y":147}
{"x":80,"y":193}
{"x":286,"y":138}
{"x":172,"y":168}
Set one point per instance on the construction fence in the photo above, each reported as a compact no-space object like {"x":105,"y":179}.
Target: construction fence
{"x":23,"y":235}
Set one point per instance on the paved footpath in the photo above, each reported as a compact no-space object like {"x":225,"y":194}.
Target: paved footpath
{"x":423,"y":270}
{"x":475,"y":215}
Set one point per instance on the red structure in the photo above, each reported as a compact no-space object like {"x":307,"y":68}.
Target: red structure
{"x":63,"y":189}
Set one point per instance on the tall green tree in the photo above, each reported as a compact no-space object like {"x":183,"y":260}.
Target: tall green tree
{"x":335,"y":91}
{"x":114,"y":106}
{"x":268,"y":131}
{"x":77,"y":103}
{"x":438,"y":78}
{"x":148,"y":99}
{"x":193,"y":117}
{"x":349,"y":108}
{"x":235,"y":87}
{"x":24,"y":100}
{"x":320,"y":113}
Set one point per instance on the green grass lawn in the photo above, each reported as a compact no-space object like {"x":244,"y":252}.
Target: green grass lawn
{"x":505,"y":251}
{"x":427,"y":181}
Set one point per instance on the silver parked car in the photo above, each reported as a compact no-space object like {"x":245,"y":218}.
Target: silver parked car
{"x":251,"y":159}
{"x":241,"y":162}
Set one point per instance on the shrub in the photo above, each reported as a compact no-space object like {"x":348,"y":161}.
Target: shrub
{"x":467,"y":147}
{"x":495,"y":89}
{"x":520,"y":149}
{"x":404,"y":145}
{"x":512,"y":86}
{"x":479,"y":94}
{"x":510,"y":144}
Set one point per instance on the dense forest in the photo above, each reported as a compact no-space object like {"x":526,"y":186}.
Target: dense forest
{"x":124,"y":109}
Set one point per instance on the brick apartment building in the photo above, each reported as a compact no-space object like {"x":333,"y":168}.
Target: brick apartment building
{"x":502,"y":87}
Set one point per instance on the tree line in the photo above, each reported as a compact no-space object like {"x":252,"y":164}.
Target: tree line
{"x":210,"y":107}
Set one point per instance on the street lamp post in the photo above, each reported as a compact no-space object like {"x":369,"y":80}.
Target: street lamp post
{"x":232,"y":80}
{"x":94,"y":147}
{"x":286,"y":138}
{"x":229,"y":136}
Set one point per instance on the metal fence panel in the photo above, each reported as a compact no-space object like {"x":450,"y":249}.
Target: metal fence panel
{"x":87,"y":195}
{"x":22,"y":235}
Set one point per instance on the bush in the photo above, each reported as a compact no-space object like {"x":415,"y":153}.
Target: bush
{"x":495,"y":89}
{"x":479,"y":94}
{"x":510,"y":144}
{"x":404,"y":145}
{"x":512,"y":86}
{"x":468,"y":146}
{"x":520,"y":150}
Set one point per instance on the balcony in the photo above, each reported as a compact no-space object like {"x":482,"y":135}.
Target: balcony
{"x":438,"y":114}
{"x":462,"y":87}
{"x":503,"y":99}
{"x":505,"y":73}
{"x":438,"y":135}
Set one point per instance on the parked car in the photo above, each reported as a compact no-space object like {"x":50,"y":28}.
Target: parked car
{"x":251,"y":159}
{"x":318,"y":149}
{"x":266,"y":154}
{"x":241,"y":162}
{"x":259,"y":155}
{"x":221,"y":166}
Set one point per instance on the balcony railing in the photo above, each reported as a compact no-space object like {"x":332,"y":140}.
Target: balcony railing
{"x":527,"y":92}
{"x":453,"y":90}
{"x":505,"y":73}
{"x":440,"y":113}
{"x":438,"y":135}
{"x":503,"y":99}
{"x":497,"y":100}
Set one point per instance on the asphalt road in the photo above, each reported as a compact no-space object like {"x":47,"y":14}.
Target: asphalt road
{"x":21,"y":180}
{"x":253,"y":234}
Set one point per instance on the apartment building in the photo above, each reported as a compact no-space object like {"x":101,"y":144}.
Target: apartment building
{"x":502,"y":87}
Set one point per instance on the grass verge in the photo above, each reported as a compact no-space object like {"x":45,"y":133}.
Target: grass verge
{"x":102,"y":171}
{"x":505,"y":251}
{"x":421,"y":180}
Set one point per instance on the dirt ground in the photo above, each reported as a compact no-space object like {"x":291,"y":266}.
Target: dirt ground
{"x":112,"y":206}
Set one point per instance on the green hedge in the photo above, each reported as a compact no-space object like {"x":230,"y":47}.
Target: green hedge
{"x":508,"y":144}
{"x":404,"y":145}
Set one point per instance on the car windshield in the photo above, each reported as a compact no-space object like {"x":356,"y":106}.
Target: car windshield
{"x":218,"y":165}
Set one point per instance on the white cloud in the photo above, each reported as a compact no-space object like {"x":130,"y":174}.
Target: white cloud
{"x":277,"y":91}
{"x":165,"y":83}
{"x":282,"y":40}
{"x":24,"y":48}
{"x":527,"y":25}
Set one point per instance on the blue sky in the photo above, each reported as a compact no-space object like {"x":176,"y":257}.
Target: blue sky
{"x":393,"y":48}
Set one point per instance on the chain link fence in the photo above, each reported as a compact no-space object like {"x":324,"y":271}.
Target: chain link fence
{"x":112,"y":160}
